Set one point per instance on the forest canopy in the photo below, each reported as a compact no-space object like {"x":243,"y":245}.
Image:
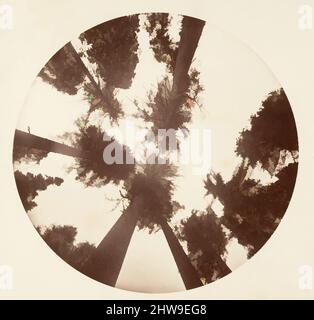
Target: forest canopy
{"x":100,"y":71}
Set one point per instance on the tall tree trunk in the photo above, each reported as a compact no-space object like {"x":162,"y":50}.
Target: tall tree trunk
{"x":29,"y":140}
{"x":105,"y":264}
{"x":191,"y":32}
{"x":188,"y":273}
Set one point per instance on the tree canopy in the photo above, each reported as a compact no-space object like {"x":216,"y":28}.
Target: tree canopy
{"x":93,"y":170}
{"x":29,"y":185}
{"x":153,"y":183}
{"x":206,"y":244}
{"x":26,"y":155}
{"x":113,"y":46}
{"x":171,"y":107}
{"x":166,"y":111}
{"x":253,"y":210}
{"x":61,"y":239}
{"x":111,"y":49}
{"x":164,"y":47}
{"x":272,"y":129}
{"x":62,"y":72}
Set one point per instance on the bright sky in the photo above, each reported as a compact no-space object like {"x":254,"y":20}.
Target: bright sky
{"x":235,"y":81}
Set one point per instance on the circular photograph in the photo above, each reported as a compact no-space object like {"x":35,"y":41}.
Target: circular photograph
{"x":155,"y":153}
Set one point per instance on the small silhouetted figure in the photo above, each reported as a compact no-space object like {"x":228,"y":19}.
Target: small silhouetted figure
{"x":29,"y":129}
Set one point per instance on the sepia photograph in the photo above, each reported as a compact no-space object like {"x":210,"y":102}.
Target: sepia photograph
{"x":155,"y":153}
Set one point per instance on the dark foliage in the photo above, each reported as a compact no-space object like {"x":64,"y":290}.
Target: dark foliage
{"x":29,"y":185}
{"x":63,"y":72}
{"x":206,"y":243}
{"x":272,"y":129}
{"x":93,"y":170}
{"x":24,"y":154}
{"x":113,"y":47}
{"x":165,"y":49}
{"x":61,"y":240}
{"x":155,"y":187}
